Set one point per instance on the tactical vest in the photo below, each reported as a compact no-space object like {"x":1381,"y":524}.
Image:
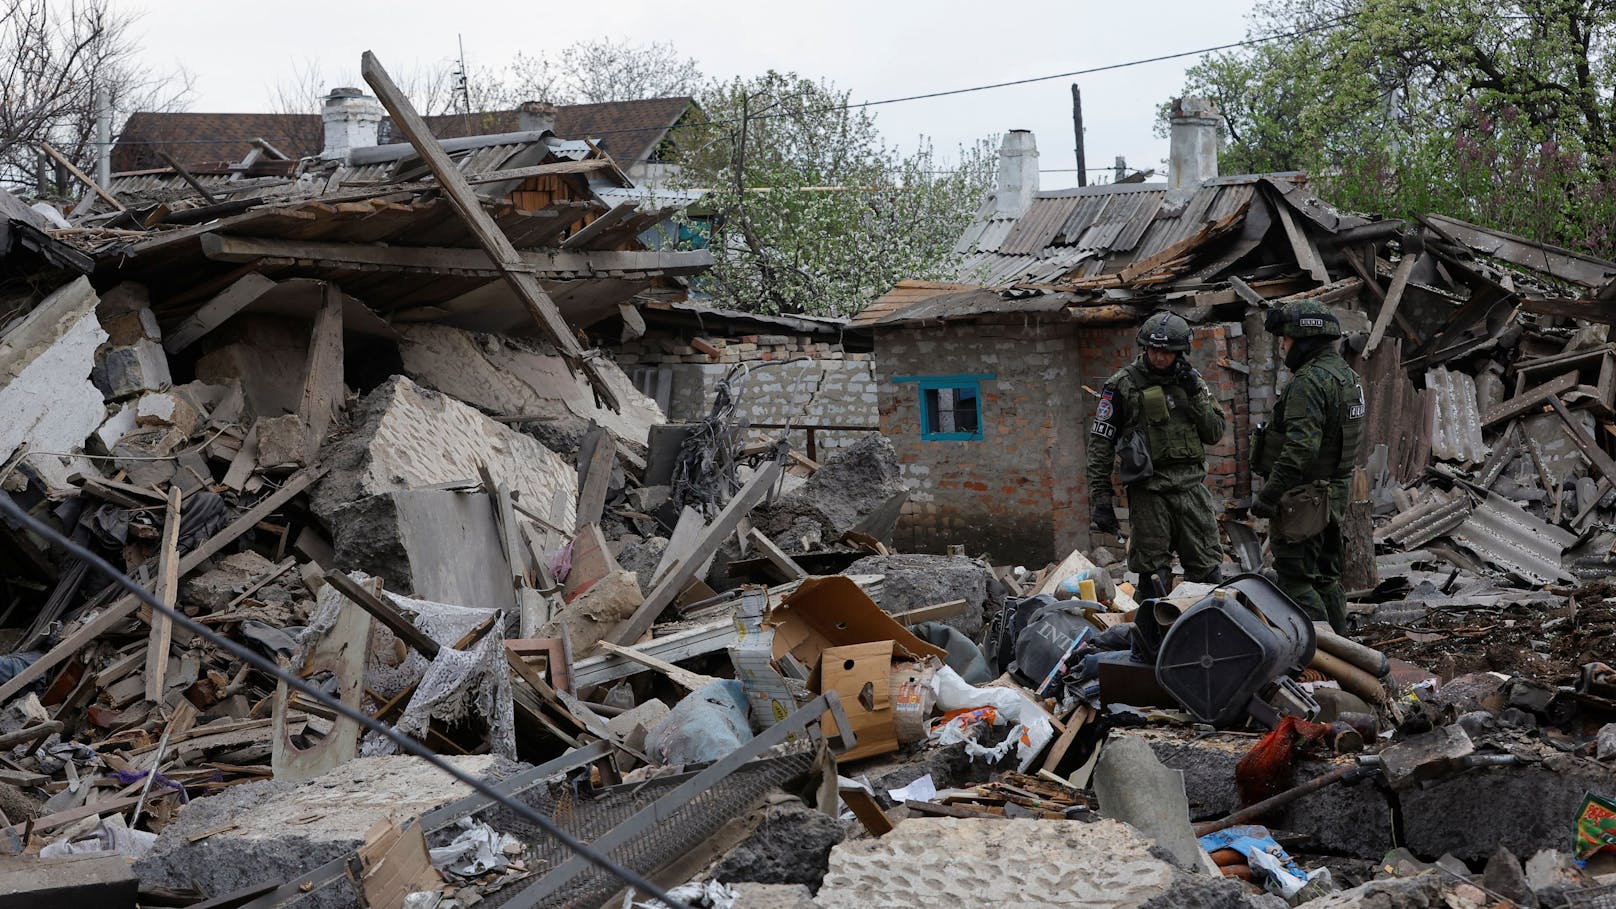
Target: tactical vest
{"x":1168,"y":430}
{"x":1343,"y":425}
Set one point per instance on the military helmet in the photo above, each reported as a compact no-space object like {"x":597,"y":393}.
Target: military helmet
{"x":1303,"y":319}
{"x":1165,"y":331}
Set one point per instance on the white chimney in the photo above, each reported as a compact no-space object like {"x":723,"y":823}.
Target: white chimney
{"x":536,"y":116}
{"x":1018,"y":173}
{"x":352,"y":119}
{"x":1194,"y":153}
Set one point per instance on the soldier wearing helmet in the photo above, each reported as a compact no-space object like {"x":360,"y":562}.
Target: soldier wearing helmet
{"x":1157,"y":415}
{"x":1313,"y":441}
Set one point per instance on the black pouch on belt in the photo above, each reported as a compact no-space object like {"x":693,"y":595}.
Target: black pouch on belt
{"x":1303,"y":512}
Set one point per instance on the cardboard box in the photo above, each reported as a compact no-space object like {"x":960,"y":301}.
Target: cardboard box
{"x":836,"y":612}
{"x":861,"y":674}
{"x":835,"y":629}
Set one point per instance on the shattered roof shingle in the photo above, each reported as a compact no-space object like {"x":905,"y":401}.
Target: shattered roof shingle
{"x":627,"y":130}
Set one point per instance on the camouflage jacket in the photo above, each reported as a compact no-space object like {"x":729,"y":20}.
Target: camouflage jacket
{"x":1176,"y":439}
{"x":1316,"y":431}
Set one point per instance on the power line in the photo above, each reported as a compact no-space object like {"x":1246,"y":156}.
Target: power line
{"x":14,"y":512}
{"x":1109,"y":67}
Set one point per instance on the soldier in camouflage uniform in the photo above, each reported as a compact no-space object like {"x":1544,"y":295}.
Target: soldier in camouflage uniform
{"x":1158,"y":415}
{"x":1314,"y":436}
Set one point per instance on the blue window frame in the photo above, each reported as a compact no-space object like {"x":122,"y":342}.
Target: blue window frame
{"x":950,"y":406}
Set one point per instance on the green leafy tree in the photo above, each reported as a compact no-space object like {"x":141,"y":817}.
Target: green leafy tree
{"x":808,"y":210}
{"x":1503,"y":114}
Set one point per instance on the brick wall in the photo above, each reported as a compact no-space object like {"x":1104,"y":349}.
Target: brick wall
{"x":1008,"y":494}
{"x":1019,"y":492}
{"x":832,"y":387}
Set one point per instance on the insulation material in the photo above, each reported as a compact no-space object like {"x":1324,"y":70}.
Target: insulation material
{"x":1456,"y":418}
{"x":455,"y":687}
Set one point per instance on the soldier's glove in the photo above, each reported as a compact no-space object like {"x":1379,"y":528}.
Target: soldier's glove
{"x":1103,"y":519}
{"x":1261,"y":509}
{"x":1186,"y":376}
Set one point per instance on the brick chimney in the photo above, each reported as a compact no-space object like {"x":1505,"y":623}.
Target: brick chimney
{"x":536,"y":116}
{"x":1194,"y":152}
{"x":1018,"y":173}
{"x":351,"y":119}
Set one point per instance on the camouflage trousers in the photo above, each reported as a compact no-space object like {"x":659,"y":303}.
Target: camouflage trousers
{"x":1163,"y":523}
{"x":1310,"y":573}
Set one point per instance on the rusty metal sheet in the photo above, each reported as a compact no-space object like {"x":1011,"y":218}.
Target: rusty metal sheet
{"x":1503,"y":534}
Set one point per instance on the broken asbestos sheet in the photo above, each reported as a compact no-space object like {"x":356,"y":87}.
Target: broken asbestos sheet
{"x":47,"y":400}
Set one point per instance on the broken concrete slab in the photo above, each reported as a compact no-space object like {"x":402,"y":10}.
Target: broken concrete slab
{"x":67,"y":882}
{"x":1461,"y":814}
{"x":630,"y":727}
{"x":845,"y":489}
{"x":266,"y":356}
{"x":914,"y":581}
{"x":124,"y":372}
{"x":407,"y":437}
{"x":115,"y":428}
{"x":282,"y":440}
{"x":215,"y":588}
{"x":130,"y":327}
{"x":143,"y":455}
{"x":1505,"y":877}
{"x":593,"y":614}
{"x":417,"y":541}
{"x":996,"y":864}
{"x":791,"y":846}
{"x":168,"y":409}
{"x":773,"y":896}
{"x":46,"y":395}
{"x":1550,"y":873}
{"x":268,"y":832}
{"x":1134,"y":787}
{"x":509,"y":376}
{"x":1423,"y":891}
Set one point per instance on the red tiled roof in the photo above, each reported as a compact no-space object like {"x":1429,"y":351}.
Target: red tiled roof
{"x":628,"y":130}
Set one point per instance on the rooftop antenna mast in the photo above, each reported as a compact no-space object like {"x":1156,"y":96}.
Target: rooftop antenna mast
{"x":463,"y":80}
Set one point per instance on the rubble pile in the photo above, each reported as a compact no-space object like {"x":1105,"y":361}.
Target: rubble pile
{"x":330,"y":416}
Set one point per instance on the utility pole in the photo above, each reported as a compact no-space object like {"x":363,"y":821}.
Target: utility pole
{"x":103,"y":138}
{"x":1077,"y":130}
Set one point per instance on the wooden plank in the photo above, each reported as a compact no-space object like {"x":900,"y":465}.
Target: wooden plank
{"x":168,"y":585}
{"x":540,"y":170}
{"x":323,"y":391}
{"x":1588,"y":446}
{"x":681,"y":543}
{"x":606,"y":667}
{"x":618,"y":213}
{"x":935,"y":613}
{"x":1074,"y":724}
{"x":244,"y":463}
{"x":1562,"y":263}
{"x":1588,"y":310}
{"x":465,"y":202}
{"x":776,"y":556}
{"x":1394,"y":296}
{"x":446,"y":260}
{"x":187,"y":176}
{"x":675,"y":581}
{"x":403,"y":628}
{"x":253,"y":588}
{"x":676,"y":674}
{"x":127,"y":605}
{"x":867,"y":810}
{"x":1528,"y":399}
{"x":233,"y":299}
{"x":1307,"y":255}
{"x":597,"y":477}
{"x":62,"y":818}
{"x":81,"y":176}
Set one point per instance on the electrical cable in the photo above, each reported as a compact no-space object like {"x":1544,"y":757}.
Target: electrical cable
{"x":14,"y":512}
{"x":1248,"y":42}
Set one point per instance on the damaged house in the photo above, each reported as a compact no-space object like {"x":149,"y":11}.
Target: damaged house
{"x":381,"y":433}
{"x":1052,"y":288}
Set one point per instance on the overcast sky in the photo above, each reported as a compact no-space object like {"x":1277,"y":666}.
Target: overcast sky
{"x":875,"y":49}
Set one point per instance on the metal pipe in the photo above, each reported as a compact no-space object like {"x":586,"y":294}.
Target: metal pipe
{"x":1351,"y":677}
{"x":1252,"y":812}
{"x":1368,"y":659}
